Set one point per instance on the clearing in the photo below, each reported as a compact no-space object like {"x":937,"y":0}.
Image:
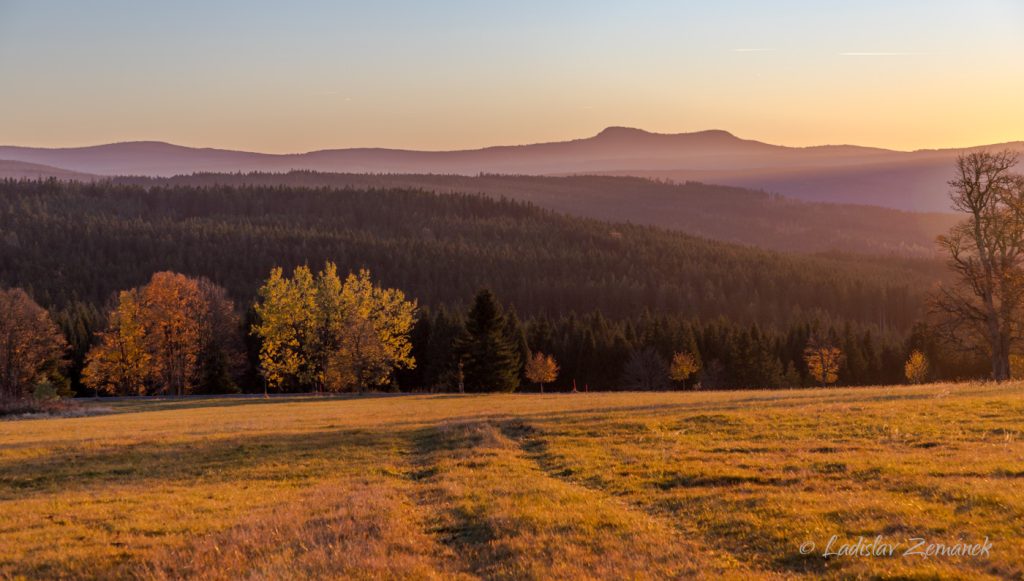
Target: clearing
{"x":599,"y":485}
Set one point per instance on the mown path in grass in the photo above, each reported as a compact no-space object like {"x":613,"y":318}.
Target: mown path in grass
{"x":456,"y":500}
{"x":508,"y":519}
{"x":507,"y":487}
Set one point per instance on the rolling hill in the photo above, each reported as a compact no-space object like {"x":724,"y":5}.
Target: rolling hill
{"x":17,"y":170}
{"x":68,"y":241}
{"x":849,"y":174}
{"x":719,"y":212}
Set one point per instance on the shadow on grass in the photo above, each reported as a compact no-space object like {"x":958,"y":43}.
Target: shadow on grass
{"x":762,"y":399}
{"x":771,"y":400}
{"x":237,"y":458}
{"x":140,"y":404}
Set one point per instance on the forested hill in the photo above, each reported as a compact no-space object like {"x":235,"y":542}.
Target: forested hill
{"x":71,"y":241}
{"x":718,"y":212}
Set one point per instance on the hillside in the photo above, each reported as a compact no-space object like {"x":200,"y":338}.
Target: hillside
{"x":904,"y":180}
{"x":914,"y":182}
{"x":718,"y":212}
{"x":747,"y":484}
{"x":84,"y":241}
{"x":16,"y":170}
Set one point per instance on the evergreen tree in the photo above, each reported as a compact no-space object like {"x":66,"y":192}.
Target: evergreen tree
{"x":491,"y":360}
{"x":441,"y":358}
{"x":517,"y":337}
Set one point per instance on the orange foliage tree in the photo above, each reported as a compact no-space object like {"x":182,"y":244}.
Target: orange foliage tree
{"x":120,"y":363}
{"x":160,"y":336}
{"x":541,"y":369}
{"x":823,"y":360}
{"x":31,"y":345}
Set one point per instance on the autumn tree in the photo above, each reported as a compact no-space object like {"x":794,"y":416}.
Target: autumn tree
{"x":541,"y":369}
{"x":916,"y":367}
{"x":332,"y":335}
{"x":982,"y":310}
{"x":823,"y":360}
{"x":683,"y":366}
{"x":31,"y":345}
{"x":1016,"y":366}
{"x":172,"y":306}
{"x":221,"y":350}
{"x":376,"y":338}
{"x":490,"y":356}
{"x":283,"y":324}
{"x":171,"y":335}
{"x":331,"y":328}
{"x":120,"y":362}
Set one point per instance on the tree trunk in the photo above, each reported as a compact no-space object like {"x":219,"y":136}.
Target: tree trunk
{"x":999,"y":345}
{"x":1000,"y":362}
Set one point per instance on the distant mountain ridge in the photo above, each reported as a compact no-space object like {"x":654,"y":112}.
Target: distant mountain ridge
{"x":913,"y":180}
{"x":10,"y":169}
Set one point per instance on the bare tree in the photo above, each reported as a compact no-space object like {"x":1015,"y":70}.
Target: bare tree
{"x":645,"y":369}
{"x":982,"y":309}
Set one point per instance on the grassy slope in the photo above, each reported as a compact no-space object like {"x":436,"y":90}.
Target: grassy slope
{"x":501,"y":486}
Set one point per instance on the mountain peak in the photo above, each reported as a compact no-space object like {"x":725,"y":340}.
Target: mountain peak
{"x":617,"y":132}
{"x":716,"y":133}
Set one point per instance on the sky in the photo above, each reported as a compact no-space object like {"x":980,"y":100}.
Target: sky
{"x":304,"y":74}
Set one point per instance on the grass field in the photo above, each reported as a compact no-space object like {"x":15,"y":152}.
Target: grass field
{"x":616,"y":485}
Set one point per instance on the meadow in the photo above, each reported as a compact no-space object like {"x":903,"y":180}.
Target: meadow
{"x":599,"y":485}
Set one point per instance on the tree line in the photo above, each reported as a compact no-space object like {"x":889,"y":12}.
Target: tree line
{"x":177,"y":335}
{"x":607,"y":306}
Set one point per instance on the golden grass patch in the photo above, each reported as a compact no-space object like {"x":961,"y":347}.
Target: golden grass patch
{"x":599,"y":485}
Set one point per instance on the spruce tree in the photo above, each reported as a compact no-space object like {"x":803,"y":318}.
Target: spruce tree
{"x":491,"y":361}
{"x":441,"y":358}
{"x":517,"y":337}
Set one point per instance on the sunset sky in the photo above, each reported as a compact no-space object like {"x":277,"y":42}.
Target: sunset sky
{"x":305,"y":75}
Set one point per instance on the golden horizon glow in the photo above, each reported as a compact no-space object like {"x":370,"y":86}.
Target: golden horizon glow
{"x":459,"y":75}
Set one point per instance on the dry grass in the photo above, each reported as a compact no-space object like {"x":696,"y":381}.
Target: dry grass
{"x":627,"y":485}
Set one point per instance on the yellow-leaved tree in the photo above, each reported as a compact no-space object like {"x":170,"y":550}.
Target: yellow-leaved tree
{"x":377,"y":338}
{"x":823,"y":360}
{"x":684,"y":365}
{"x":916,"y":367}
{"x":1016,"y":366}
{"x":541,"y":369}
{"x":281,"y":324}
{"x":332,"y":335}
